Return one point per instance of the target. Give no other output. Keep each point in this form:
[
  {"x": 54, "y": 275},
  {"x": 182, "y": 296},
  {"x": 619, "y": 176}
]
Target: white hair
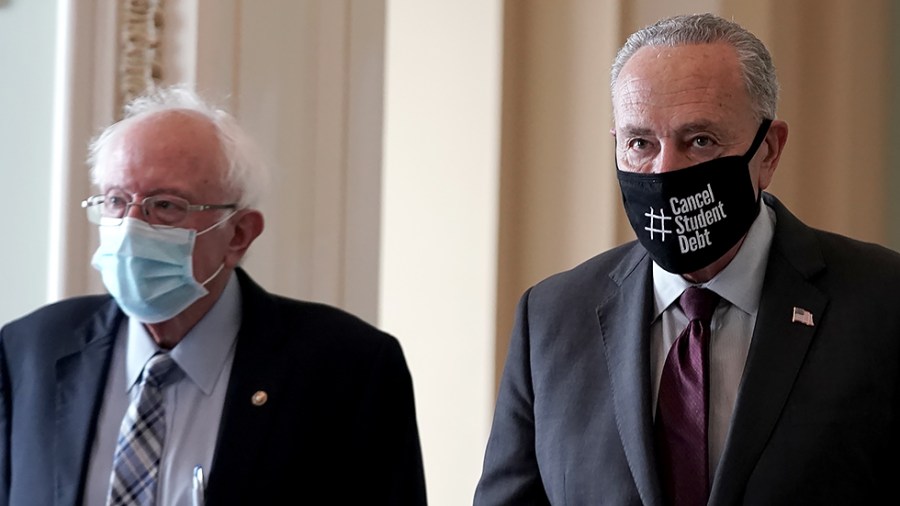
[
  {"x": 757, "y": 68},
  {"x": 245, "y": 172}
]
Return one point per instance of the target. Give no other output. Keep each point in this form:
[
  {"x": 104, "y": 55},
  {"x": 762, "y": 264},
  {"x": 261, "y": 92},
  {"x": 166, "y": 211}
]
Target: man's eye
[
  {"x": 638, "y": 144},
  {"x": 702, "y": 141},
  {"x": 169, "y": 205},
  {"x": 114, "y": 201}
]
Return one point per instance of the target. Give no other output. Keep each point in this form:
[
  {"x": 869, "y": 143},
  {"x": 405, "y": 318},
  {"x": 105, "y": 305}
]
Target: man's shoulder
[
  {"x": 322, "y": 316},
  {"x": 309, "y": 321},
  {"x": 838, "y": 252},
  {"x": 53, "y": 326},
  {"x": 597, "y": 269},
  {"x": 859, "y": 258},
  {"x": 595, "y": 274},
  {"x": 70, "y": 312}
]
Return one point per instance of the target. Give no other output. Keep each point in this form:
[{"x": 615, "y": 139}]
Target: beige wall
[
  {"x": 26, "y": 98},
  {"x": 439, "y": 223},
  {"x": 893, "y": 107},
  {"x": 558, "y": 194},
  {"x": 834, "y": 64}
]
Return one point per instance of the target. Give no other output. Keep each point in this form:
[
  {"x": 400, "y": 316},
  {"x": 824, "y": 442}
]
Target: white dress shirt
[
  {"x": 193, "y": 399},
  {"x": 739, "y": 285}
]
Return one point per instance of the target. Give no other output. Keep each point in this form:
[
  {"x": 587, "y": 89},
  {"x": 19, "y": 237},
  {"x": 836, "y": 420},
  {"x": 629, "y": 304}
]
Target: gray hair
[
  {"x": 245, "y": 171},
  {"x": 756, "y": 63}
]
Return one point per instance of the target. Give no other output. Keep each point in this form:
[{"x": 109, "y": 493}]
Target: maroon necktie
[{"x": 682, "y": 408}]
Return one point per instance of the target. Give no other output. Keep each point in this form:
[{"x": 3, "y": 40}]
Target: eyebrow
[
  {"x": 158, "y": 191},
  {"x": 689, "y": 128},
  {"x": 635, "y": 131}
]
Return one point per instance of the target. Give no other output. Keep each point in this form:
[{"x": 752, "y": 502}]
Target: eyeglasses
[{"x": 158, "y": 210}]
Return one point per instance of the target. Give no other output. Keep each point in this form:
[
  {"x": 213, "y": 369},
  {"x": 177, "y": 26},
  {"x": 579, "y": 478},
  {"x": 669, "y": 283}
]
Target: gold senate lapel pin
[{"x": 259, "y": 398}]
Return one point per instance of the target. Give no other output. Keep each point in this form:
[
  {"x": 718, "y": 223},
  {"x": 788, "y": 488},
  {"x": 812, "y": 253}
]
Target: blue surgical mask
[{"x": 149, "y": 271}]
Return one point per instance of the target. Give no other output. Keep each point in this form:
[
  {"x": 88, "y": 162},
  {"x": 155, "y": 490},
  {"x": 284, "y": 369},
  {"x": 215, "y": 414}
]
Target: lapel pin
[
  {"x": 802, "y": 316},
  {"x": 259, "y": 398}
]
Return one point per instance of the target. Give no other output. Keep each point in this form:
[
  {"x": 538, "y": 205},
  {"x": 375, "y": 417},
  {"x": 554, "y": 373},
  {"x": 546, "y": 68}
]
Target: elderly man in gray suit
[{"x": 732, "y": 354}]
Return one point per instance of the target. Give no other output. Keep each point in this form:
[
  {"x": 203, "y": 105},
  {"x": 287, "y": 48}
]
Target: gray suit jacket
[{"x": 817, "y": 419}]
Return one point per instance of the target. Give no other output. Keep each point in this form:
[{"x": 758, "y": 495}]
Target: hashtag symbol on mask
[{"x": 658, "y": 224}]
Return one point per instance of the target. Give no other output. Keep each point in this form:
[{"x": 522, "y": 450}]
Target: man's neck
[
  {"x": 708, "y": 272},
  {"x": 169, "y": 333}
]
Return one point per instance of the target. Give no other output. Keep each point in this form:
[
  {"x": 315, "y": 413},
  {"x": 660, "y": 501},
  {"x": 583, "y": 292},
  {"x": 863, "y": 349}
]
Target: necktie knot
[
  {"x": 157, "y": 369},
  {"x": 698, "y": 303}
]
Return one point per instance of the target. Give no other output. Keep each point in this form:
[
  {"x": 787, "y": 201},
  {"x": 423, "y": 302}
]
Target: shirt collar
[
  {"x": 740, "y": 282},
  {"x": 202, "y": 352}
]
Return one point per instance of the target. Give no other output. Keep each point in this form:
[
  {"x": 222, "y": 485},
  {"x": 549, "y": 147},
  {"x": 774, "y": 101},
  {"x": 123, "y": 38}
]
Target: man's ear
[
  {"x": 774, "y": 142},
  {"x": 247, "y": 227}
]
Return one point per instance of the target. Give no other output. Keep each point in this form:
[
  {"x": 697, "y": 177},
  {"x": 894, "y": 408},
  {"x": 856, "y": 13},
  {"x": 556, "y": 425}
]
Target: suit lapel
[
  {"x": 81, "y": 378},
  {"x": 624, "y": 319},
  {"x": 246, "y": 417},
  {"x": 776, "y": 351}
]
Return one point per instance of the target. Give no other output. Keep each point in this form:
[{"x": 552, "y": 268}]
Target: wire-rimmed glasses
[{"x": 158, "y": 210}]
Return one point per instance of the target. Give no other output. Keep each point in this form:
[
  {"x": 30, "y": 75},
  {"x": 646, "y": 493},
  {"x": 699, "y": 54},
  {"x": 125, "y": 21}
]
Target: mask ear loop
[
  {"x": 211, "y": 227},
  {"x": 218, "y": 223},
  {"x": 757, "y": 142},
  {"x": 221, "y": 266}
]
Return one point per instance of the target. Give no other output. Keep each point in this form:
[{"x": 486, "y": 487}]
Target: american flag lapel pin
[{"x": 802, "y": 316}]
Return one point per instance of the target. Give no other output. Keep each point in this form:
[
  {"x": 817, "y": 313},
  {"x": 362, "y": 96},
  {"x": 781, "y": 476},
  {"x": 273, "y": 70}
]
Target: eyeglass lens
[{"x": 158, "y": 209}]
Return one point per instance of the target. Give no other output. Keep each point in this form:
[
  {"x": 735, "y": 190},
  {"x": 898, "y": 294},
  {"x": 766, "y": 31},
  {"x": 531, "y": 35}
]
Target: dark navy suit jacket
[
  {"x": 339, "y": 426},
  {"x": 817, "y": 417}
]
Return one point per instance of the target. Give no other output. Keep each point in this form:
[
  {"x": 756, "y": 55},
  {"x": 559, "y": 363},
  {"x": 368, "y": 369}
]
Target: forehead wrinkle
[
  {"x": 647, "y": 96},
  {"x": 688, "y": 128},
  {"x": 167, "y": 191}
]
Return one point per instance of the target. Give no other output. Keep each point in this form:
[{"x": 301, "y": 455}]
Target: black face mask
[{"x": 688, "y": 218}]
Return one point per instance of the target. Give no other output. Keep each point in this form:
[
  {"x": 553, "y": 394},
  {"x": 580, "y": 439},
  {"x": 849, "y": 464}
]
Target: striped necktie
[{"x": 141, "y": 436}]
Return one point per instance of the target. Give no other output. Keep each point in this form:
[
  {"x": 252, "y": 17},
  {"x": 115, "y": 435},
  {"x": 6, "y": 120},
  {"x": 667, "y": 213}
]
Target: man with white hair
[
  {"x": 189, "y": 383},
  {"x": 730, "y": 355}
]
